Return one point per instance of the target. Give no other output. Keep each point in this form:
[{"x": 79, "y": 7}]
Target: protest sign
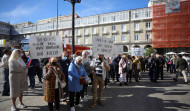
[
  {"x": 102, "y": 45},
  {"x": 117, "y": 49},
  {"x": 45, "y": 46},
  {"x": 137, "y": 51}
]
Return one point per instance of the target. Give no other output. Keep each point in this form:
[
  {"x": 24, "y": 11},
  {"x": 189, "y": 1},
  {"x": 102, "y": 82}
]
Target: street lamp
[{"x": 73, "y": 2}]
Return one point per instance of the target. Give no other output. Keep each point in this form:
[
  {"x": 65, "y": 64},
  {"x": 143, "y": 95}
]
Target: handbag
[
  {"x": 124, "y": 70},
  {"x": 62, "y": 84},
  {"x": 82, "y": 81}
]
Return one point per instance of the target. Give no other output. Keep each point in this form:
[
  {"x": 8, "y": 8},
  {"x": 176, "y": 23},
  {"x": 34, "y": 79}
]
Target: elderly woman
[
  {"x": 86, "y": 64},
  {"x": 123, "y": 65},
  {"x": 75, "y": 75},
  {"x": 52, "y": 86},
  {"x": 17, "y": 70}
]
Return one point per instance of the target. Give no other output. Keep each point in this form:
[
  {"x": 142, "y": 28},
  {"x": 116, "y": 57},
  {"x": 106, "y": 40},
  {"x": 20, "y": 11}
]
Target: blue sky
[{"x": 17, "y": 11}]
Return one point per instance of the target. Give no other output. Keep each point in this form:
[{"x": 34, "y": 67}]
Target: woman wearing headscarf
[{"x": 17, "y": 78}]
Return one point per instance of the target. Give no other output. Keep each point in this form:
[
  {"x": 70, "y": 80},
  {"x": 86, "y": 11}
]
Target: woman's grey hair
[
  {"x": 84, "y": 52},
  {"x": 78, "y": 58}
]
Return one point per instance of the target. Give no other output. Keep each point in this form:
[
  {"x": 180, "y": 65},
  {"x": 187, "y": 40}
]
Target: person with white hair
[
  {"x": 86, "y": 64},
  {"x": 17, "y": 68},
  {"x": 76, "y": 80}
]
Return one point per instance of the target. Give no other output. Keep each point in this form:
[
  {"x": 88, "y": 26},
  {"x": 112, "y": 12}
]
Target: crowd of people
[{"x": 69, "y": 76}]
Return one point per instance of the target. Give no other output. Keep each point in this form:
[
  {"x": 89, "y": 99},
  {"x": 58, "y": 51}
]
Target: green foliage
[{"x": 149, "y": 50}]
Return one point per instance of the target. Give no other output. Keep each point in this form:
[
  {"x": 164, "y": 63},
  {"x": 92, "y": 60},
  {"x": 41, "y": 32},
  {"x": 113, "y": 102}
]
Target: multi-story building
[
  {"x": 128, "y": 28},
  {"x": 5, "y": 30}
]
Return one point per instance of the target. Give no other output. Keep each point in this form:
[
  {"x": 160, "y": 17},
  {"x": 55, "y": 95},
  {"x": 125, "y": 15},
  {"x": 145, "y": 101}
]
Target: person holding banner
[
  {"x": 100, "y": 67},
  {"x": 76, "y": 79},
  {"x": 136, "y": 68},
  {"x": 53, "y": 80},
  {"x": 123, "y": 69}
]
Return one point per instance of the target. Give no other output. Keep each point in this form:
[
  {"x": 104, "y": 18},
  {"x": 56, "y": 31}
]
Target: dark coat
[
  {"x": 181, "y": 64},
  {"x": 32, "y": 70}
]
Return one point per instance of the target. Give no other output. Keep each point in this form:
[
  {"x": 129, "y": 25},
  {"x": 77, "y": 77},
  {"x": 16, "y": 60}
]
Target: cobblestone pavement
[{"x": 166, "y": 95}]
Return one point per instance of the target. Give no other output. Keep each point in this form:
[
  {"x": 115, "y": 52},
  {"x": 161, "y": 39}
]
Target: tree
[{"x": 149, "y": 50}]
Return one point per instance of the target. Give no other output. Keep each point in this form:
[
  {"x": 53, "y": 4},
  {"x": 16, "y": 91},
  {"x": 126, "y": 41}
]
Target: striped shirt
[{"x": 98, "y": 67}]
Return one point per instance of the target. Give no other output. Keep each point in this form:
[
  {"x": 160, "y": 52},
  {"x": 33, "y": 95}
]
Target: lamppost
[{"x": 73, "y": 2}]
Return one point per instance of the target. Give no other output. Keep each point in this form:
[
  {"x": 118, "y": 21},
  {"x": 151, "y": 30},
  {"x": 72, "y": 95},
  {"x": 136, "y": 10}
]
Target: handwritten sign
[
  {"x": 45, "y": 46},
  {"x": 117, "y": 49},
  {"x": 137, "y": 51},
  {"x": 102, "y": 45}
]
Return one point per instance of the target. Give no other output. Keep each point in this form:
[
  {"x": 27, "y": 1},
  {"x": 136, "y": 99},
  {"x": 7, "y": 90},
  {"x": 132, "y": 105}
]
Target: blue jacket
[{"x": 74, "y": 77}]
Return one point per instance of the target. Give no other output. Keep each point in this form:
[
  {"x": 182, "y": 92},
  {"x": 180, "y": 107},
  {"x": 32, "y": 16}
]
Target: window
[
  {"x": 123, "y": 38},
  {"x": 123, "y": 27},
  {"x": 136, "y": 26},
  {"x": 86, "y": 40},
  {"x": 64, "y": 33},
  {"x": 57, "y": 33},
  {"x": 86, "y": 31},
  {"x": 114, "y": 38},
  {"x": 78, "y": 41},
  {"x": 104, "y": 29},
  {"x": 113, "y": 28},
  {"x": 78, "y": 32},
  {"x": 148, "y": 37},
  {"x": 94, "y": 30},
  {"x": 136, "y": 38},
  {"x": 70, "y": 32},
  {"x": 147, "y": 25}
]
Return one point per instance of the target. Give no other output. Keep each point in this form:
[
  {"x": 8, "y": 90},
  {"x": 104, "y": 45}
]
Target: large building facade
[{"x": 130, "y": 28}]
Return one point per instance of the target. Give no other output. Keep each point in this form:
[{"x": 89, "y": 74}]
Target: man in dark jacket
[
  {"x": 116, "y": 66},
  {"x": 160, "y": 63},
  {"x": 64, "y": 62},
  {"x": 181, "y": 65}
]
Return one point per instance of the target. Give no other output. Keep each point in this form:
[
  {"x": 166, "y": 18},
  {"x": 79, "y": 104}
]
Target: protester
[
  {"x": 65, "y": 62},
  {"x": 86, "y": 64},
  {"x": 172, "y": 67},
  {"x": 33, "y": 65},
  {"x": 130, "y": 68},
  {"x": 168, "y": 63},
  {"x": 5, "y": 66},
  {"x": 116, "y": 66},
  {"x": 53, "y": 91},
  {"x": 137, "y": 68},
  {"x": 187, "y": 58},
  {"x": 17, "y": 68},
  {"x": 100, "y": 66},
  {"x": 76, "y": 78},
  {"x": 109, "y": 73},
  {"x": 181, "y": 65},
  {"x": 153, "y": 69},
  {"x": 123, "y": 69},
  {"x": 160, "y": 65}
]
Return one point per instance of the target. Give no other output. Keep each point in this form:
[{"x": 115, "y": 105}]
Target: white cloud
[
  {"x": 20, "y": 11},
  {"x": 89, "y": 7}
]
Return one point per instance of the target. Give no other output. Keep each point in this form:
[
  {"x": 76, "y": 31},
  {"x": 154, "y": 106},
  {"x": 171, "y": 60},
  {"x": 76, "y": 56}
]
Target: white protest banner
[
  {"x": 45, "y": 46},
  {"x": 117, "y": 49},
  {"x": 102, "y": 45},
  {"x": 120, "y": 49},
  {"x": 137, "y": 51}
]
